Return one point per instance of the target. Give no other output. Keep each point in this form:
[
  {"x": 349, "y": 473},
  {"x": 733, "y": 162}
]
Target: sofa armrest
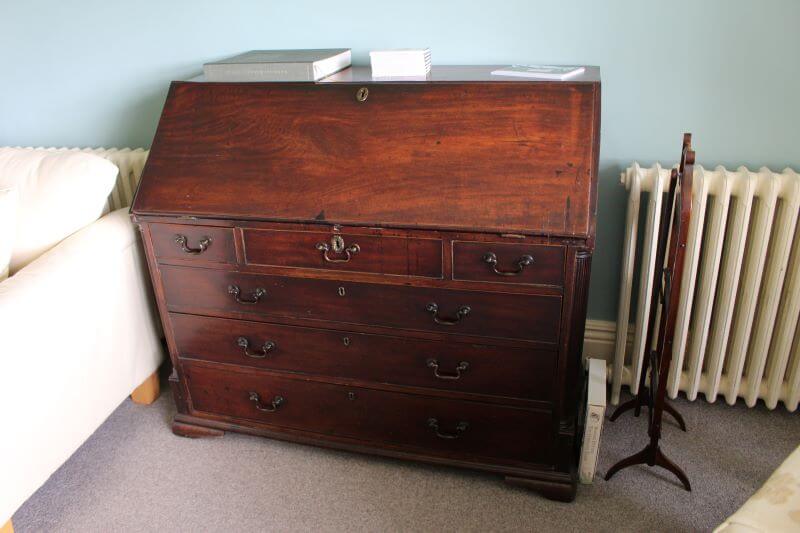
[{"x": 79, "y": 333}]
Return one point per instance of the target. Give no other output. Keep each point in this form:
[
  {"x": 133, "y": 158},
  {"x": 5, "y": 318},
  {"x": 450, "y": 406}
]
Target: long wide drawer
[
  {"x": 506, "y": 315},
  {"x": 524, "y": 373},
  {"x": 439, "y": 425}
]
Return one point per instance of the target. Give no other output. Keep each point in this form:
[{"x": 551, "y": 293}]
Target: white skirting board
[
  {"x": 599, "y": 342},
  {"x": 599, "y": 339}
]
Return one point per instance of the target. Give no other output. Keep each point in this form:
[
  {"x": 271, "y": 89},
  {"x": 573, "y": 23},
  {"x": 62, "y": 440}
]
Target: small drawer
[
  {"x": 436, "y": 425},
  {"x": 201, "y": 243},
  {"x": 486, "y": 314},
  {"x": 500, "y": 371},
  {"x": 534, "y": 264},
  {"x": 399, "y": 255}
]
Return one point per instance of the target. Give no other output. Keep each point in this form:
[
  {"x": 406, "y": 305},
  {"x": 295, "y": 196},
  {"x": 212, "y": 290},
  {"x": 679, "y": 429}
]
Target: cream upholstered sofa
[
  {"x": 774, "y": 507},
  {"x": 78, "y": 330}
]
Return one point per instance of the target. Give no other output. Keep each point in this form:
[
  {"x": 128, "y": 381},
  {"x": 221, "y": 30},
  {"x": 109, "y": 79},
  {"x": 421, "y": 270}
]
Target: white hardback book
[
  {"x": 595, "y": 413},
  {"x": 402, "y": 62},
  {"x": 544, "y": 72},
  {"x": 279, "y": 65}
]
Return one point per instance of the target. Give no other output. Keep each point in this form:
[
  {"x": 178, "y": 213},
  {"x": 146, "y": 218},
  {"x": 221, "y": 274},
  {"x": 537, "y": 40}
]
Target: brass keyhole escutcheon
[
  {"x": 341, "y": 291},
  {"x": 346, "y": 341},
  {"x": 361, "y": 94},
  {"x": 337, "y": 243},
  {"x": 351, "y": 395}
]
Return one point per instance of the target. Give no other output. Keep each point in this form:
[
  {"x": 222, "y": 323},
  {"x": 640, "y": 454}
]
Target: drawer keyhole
[
  {"x": 346, "y": 341},
  {"x": 341, "y": 291},
  {"x": 351, "y": 396}
]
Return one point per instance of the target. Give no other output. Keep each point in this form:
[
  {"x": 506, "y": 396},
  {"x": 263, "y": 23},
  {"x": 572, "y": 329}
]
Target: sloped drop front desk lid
[{"x": 462, "y": 150}]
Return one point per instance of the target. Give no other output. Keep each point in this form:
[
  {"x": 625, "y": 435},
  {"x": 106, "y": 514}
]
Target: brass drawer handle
[
  {"x": 337, "y": 245},
  {"x": 462, "y": 312},
  {"x": 461, "y": 427},
  {"x": 257, "y": 294},
  {"x": 202, "y": 244},
  {"x": 434, "y": 364},
  {"x": 276, "y": 402},
  {"x": 265, "y": 349},
  {"x": 491, "y": 259}
]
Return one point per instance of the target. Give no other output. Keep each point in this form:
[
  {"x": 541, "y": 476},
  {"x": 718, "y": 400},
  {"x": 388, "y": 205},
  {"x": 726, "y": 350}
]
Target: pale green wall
[{"x": 95, "y": 73}]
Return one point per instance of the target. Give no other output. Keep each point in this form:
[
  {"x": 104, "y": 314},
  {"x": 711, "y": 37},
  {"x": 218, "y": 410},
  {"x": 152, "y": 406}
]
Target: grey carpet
[{"x": 134, "y": 475}]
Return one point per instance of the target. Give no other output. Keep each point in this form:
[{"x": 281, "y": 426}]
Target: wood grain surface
[{"x": 490, "y": 156}]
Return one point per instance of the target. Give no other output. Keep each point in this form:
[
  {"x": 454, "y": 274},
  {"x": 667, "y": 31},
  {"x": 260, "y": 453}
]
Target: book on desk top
[
  {"x": 400, "y": 62},
  {"x": 543, "y": 72},
  {"x": 279, "y": 65}
]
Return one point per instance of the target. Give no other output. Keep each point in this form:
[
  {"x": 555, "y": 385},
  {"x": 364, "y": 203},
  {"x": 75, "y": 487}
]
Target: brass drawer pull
[
  {"x": 202, "y": 244},
  {"x": 461, "y": 427},
  {"x": 462, "y": 312},
  {"x": 337, "y": 245},
  {"x": 257, "y": 294},
  {"x": 491, "y": 259},
  {"x": 276, "y": 402},
  {"x": 434, "y": 364},
  {"x": 265, "y": 349}
]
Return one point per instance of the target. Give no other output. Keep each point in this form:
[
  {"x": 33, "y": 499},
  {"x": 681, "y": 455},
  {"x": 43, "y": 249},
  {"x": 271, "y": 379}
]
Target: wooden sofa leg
[
  {"x": 146, "y": 393},
  {"x": 7, "y": 527}
]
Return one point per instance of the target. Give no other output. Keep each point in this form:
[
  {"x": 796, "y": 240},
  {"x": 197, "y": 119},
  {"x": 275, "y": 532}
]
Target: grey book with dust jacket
[{"x": 279, "y": 65}]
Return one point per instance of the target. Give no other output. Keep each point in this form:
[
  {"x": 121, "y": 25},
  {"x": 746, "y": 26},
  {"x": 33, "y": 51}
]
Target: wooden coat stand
[{"x": 667, "y": 287}]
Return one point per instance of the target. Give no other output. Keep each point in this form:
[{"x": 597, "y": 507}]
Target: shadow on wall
[
  {"x": 142, "y": 116},
  {"x": 143, "y": 110},
  {"x": 606, "y": 262}
]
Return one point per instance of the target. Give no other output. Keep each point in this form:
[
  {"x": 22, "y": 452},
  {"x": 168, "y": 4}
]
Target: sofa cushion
[
  {"x": 59, "y": 192},
  {"x": 8, "y": 225}
]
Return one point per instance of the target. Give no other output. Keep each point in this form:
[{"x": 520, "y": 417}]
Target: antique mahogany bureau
[{"x": 391, "y": 267}]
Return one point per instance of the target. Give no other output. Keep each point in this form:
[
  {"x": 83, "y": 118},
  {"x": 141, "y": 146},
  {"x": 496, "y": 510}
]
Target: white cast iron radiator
[
  {"x": 130, "y": 163},
  {"x": 737, "y": 331}
]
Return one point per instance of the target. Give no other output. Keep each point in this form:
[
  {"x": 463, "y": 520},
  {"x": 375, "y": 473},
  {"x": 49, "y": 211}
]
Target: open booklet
[{"x": 545, "y": 72}]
